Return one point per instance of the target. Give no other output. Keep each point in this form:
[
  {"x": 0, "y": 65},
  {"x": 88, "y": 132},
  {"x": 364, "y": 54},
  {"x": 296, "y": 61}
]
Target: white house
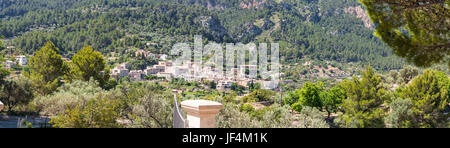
[
  {"x": 22, "y": 60},
  {"x": 163, "y": 57},
  {"x": 224, "y": 84}
]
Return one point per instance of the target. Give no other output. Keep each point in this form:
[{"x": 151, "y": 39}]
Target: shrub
[
  {"x": 311, "y": 118},
  {"x": 153, "y": 111},
  {"x": 292, "y": 97},
  {"x": 260, "y": 113},
  {"x": 246, "y": 108},
  {"x": 400, "y": 115},
  {"x": 297, "y": 106},
  {"x": 70, "y": 95},
  {"x": 258, "y": 96},
  {"x": 100, "y": 112},
  {"x": 231, "y": 117},
  {"x": 408, "y": 73},
  {"x": 275, "y": 116}
]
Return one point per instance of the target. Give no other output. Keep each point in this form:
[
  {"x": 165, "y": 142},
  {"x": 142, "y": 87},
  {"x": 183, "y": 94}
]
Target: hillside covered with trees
[
  {"x": 319, "y": 30},
  {"x": 344, "y": 64}
]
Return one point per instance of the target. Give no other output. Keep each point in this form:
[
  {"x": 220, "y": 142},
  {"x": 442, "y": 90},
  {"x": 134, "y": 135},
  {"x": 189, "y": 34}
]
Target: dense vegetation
[
  {"x": 319, "y": 30},
  {"x": 419, "y": 100},
  {"x": 71, "y": 43},
  {"x": 323, "y": 30},
  {"x": 370, "y": 102}
]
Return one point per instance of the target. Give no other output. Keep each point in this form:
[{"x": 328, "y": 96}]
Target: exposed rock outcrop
[
  {"x": 249, "y": 30},
  {"x": 212, "y": 24},
  {"x": 209, "y": 4},
  {"x": 253, "y": 4},
  {"x": 361, "y": 14}
]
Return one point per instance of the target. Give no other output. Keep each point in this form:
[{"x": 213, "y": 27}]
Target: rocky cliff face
[
  {"x": 361, "y": 14},
  {"x": 253, "y": 4},
  {"x": 248, "y": 30},
  {"x": 212, "y": 24},
  {"x": 224, "y": 4},
  {"x": 212, "y": 4}
]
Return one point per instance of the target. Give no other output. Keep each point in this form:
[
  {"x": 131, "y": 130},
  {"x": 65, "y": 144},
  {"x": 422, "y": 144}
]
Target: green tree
[
  {"x": 258, "y": 96},
  {"x": 332, "y": 98},
  {"x": 88, "y": 63},
  {"x": 46, "y": 68},
  {"x": 430, "y": 95},
  {"x": 292, "y": 97},
  {"x": 310, "y": 95},
  {"x": 362, "y": 108},
  {"x": 16, "y": 92},
  {"x": 417, "y": 30},
  {"x": 3, "y": 72}
]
